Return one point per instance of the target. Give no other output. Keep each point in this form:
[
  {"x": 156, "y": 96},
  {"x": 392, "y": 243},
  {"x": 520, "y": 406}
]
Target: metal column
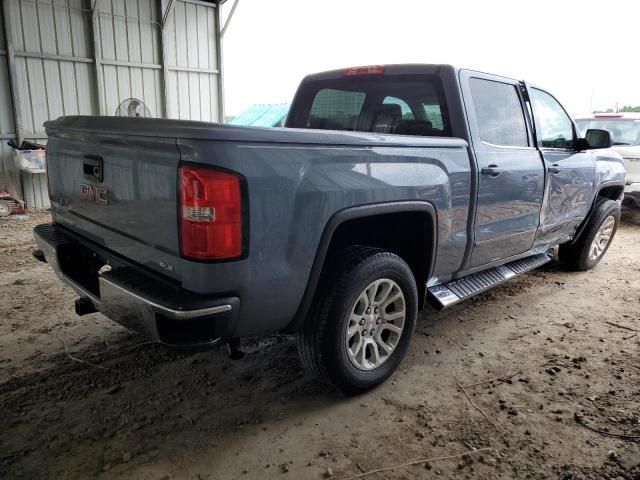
[{"x": 13, "y": 80}]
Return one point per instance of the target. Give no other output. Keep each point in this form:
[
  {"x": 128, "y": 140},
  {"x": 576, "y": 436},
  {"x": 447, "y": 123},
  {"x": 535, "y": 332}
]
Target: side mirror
[{"x": 597, "y": 138}]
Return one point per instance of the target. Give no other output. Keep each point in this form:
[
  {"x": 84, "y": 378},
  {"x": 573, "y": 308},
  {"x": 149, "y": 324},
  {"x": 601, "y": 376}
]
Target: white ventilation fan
[{"x": 132, "y": 107}]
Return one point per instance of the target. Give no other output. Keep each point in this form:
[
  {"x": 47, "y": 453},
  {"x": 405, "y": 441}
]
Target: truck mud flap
[{"x": 450, "y": 293}]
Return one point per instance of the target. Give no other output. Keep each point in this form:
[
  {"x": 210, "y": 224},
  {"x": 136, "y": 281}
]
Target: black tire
[
  {"x": 577, "y": 255},
  {"x": 322, "y": 339}
]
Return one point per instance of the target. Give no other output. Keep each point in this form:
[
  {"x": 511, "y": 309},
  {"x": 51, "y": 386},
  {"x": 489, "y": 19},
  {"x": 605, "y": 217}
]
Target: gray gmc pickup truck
[{"x": 392, "y": 187}]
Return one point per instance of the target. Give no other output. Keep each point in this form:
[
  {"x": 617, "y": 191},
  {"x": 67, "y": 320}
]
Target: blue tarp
[{"x": 262, "y": 115}]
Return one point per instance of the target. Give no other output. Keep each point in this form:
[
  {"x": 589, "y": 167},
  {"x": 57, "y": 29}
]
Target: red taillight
[
  {"x": 369, "y": 70},
  {"x": 210, "y": 214},
  {"x": 608, "y": 115}
]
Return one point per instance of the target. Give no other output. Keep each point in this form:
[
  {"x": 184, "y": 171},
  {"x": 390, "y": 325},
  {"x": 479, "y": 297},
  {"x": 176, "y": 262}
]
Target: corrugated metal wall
[
  {"x": 193, "y": 62},
  {"x": 9, "y": 177},
  {"x": 7, "y": 127},
  {"x": 130, "y": 61},
  {"x": 70, "y": 57}
]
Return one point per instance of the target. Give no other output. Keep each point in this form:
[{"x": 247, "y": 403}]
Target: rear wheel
[
  {"x": 362, "y": 320},
  {"x": 596, "y": 238}
]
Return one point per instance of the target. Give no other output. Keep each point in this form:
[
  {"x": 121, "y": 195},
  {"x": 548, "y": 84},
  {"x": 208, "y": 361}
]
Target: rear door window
[
  {"x": 393, "y": 104},
  {"x": 499, "y": 113}
]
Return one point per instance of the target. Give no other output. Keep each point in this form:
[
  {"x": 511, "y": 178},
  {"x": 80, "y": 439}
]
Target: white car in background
[{"x": 625, "y": 133}]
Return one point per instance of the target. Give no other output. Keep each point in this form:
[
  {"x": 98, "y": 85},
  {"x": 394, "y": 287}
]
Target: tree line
[{"x": 626, "y": 108}]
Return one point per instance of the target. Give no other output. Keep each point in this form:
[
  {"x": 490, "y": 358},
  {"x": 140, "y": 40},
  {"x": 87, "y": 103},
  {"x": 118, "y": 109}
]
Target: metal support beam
[
  {"x": 200, "y": 2},
  {"x": 231, "y": 12},
  {"x": 13, "y": 84},
  {"x": 165, "y": 62},
  {"x": 167, "y": 12},
  {"x": 220, "y": 68},
  {"x": 9, "y": 136},
  {"x": 67, "y": 58},
  {"x": 130, "y": 19},
  {"x": 51, "y": 56},
  {"x": 122, "y": 63},
  {"x": 97, "y": 54},
  {"x": 13, "y": 77},
  {"x": 211, "y": 71}
]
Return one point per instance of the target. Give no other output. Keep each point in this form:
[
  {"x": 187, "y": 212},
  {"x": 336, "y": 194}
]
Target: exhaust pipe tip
[{"x": 235, "y": 348}]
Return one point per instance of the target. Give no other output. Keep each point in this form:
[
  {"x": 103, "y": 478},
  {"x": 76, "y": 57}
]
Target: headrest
[{"x": 388, "y": 109}]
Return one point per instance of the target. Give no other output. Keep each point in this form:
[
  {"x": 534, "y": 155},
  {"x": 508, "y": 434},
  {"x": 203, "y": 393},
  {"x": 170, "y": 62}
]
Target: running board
[{"x": 447, "y": 294}]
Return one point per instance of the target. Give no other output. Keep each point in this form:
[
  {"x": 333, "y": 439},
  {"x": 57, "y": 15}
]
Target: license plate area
[{"x": 81, "y": 264}]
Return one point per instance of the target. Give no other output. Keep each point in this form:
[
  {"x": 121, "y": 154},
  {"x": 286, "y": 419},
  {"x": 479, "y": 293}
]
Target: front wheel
[
  {"x": 362, "y": 320},
  {"x": 596, "y": 238}
]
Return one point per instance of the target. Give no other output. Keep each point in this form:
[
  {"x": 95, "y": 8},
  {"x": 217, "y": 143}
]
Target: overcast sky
[{"x": 584, "y": 51}]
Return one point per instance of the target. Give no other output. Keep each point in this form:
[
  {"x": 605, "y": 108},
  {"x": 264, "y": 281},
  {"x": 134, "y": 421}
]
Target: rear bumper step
[
  {"x": 133, "y": 298},
  {"x": 450, "y": 293}
]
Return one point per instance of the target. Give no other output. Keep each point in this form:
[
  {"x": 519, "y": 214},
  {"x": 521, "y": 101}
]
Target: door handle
[
  {"x": 555, "y": 168},
  {"x": 491, "y": 170}
]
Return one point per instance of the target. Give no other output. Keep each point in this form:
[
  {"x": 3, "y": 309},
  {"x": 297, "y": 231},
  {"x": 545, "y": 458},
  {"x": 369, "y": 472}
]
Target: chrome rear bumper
[{"x": 168, "y": 315}]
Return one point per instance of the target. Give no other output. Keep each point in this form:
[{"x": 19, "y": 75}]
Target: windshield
[
  {"x": 623, "y": 131},
  {"x": 402, "y": 104}
]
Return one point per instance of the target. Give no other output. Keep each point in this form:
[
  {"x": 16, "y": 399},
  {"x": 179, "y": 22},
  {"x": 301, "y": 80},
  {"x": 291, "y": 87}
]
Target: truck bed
[{"x": 296, "y": 181}]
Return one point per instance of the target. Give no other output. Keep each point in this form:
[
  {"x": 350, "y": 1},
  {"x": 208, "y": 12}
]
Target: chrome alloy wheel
[
  {"x": 602, "y": 238},
  {"x": 375, "y": 324}
]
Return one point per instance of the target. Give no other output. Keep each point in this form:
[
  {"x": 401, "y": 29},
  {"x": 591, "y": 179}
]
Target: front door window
[{"x": 555, "y": 129}]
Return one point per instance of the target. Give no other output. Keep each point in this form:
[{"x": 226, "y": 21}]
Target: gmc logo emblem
[{"x": 93, "y": 193}]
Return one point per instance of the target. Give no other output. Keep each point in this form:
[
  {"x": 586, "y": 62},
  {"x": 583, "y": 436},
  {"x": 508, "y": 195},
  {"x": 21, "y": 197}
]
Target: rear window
[{"x": 400, "y": 104}]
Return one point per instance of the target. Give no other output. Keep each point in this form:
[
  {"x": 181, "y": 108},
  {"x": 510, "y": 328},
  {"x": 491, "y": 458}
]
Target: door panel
[
  {"x": 511, "y": 173},
  {"x": 570, "y": 173},
  {"x": 570, "y": 186},
  {"x": 508, "y": 210}
]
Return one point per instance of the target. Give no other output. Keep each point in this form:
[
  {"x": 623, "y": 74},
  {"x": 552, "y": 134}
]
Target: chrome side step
[{"x": 447, "y": 294}]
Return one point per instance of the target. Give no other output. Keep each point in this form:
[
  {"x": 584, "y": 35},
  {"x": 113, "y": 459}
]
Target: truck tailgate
[{"x": 116, "y": 189}]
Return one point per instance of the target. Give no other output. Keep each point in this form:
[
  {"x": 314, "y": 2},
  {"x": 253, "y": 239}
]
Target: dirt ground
[{"x": 117, "y": 407}]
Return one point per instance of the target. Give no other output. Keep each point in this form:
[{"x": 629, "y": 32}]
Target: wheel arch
[
  {"x": 613, "y": 190},
  {"x": 342, "y": 218}
]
